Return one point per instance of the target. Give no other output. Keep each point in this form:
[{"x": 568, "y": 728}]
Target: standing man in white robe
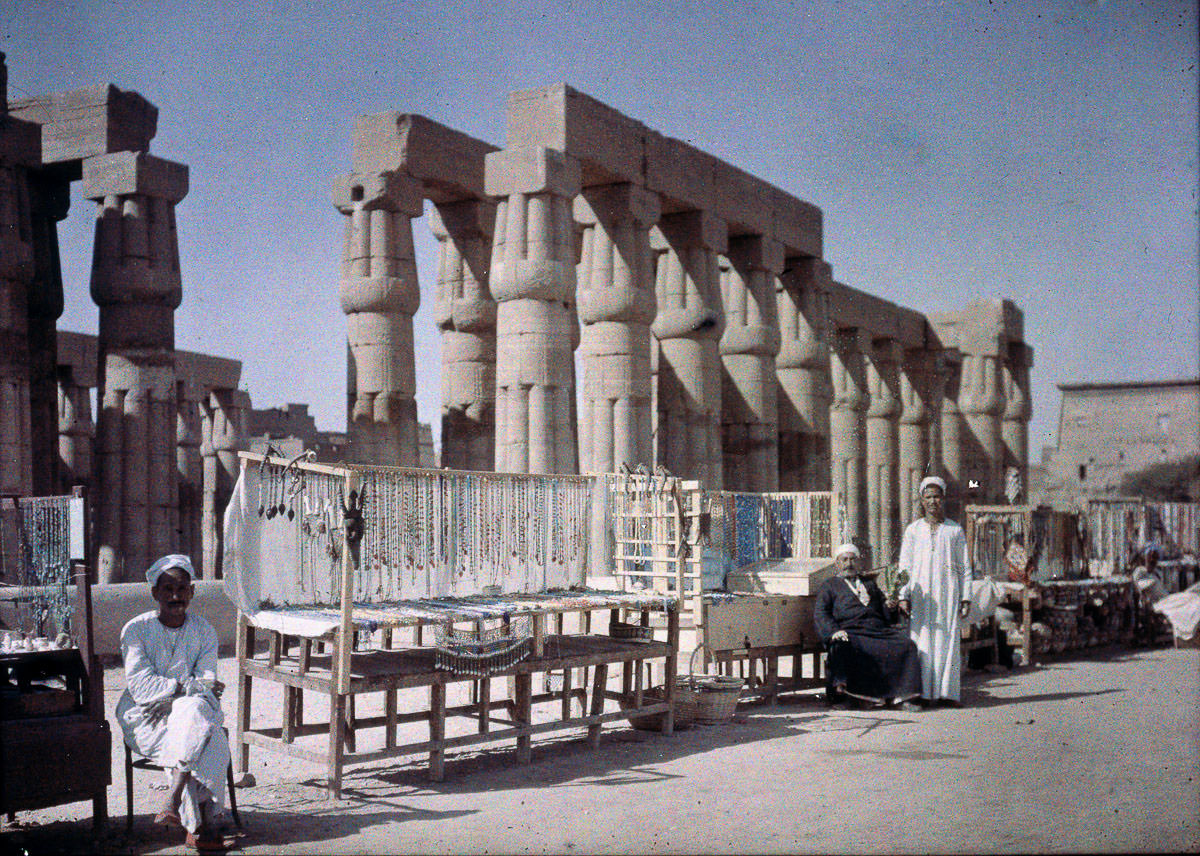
[
  {"x": 171, "y": 711},
  {"x": 937, "y": 595}
]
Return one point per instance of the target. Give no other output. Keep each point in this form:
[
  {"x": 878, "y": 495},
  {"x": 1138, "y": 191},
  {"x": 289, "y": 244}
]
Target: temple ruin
[
  {"x": 693, "y": 299},
  {"x": 711, "y": 336}
]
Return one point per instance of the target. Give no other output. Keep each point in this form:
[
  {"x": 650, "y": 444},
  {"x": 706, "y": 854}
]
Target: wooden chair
[{"x": 147, "y": 764}]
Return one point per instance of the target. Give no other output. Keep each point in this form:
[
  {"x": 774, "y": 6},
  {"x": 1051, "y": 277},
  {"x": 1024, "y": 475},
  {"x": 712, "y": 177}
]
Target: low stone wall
[{"x": 113, "y": 604}]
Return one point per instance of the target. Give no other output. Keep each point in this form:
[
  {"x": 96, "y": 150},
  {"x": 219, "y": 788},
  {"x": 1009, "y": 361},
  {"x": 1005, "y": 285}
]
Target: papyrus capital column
[
  {"x": 688, "y": 327},
  {"x": 847, "y": 440},
  {"x": 533, "y": 282},
  {"x": 379, "y": 295},
  {"x": 802, "y": 367},
  {"x": 466, "y": 316},
  {"x": 75, "y": 430},
  {"x": 617, "y": 305},
  {"x": 883, "y": 385},
  {"x": 951, "y": 432},
  {"x": 222, "y": 419},
  {"x": 749, "y": 345},
  {"x": 917, "y": 408},
  {"x": 189, "y": 466},
  {"x": 1017, "y": 410},
  {"x": 136, "y": 284},
  {"x": 981, "y": 400}
]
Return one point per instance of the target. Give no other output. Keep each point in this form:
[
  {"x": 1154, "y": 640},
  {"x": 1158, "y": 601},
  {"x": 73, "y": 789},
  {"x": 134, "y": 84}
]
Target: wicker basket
[
  {"x": 716, "y": 695},
  {"x": 683, "y": 707}
]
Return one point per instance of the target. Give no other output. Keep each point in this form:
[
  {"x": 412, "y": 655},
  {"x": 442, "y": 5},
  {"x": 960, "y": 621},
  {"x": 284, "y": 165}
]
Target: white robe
[
  {"x": 939, "y": 579},
  {"x": 159, "y": 660}
]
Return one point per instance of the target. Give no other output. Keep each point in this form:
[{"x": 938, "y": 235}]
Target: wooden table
[{"x": 325, "y": 664}]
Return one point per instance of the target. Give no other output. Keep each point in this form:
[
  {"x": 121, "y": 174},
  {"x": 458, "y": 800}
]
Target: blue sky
[{"x": 1040, "y": 151}]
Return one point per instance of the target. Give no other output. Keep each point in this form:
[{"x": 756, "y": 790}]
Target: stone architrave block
[
  {"x": 207, "y": 371},
  {"x": 388, "y": 191},
  {"x": 470, "y": 217},
  {"x": 531, "y": 169},
  {"x": 613, "y": 201},
  {"x": 980, "y": 329},
  {"x": 130, "y": 173},
  {"x": 796, "y": 224},
  {"x": 84, "y": 123},
  {"x": 608, "y": 145},
  {"x": 448, "y": 163},
  {"x": 680, "y": 173},
  {"x": 849, "y": 307},
  {"x": 741, "y": 200}
]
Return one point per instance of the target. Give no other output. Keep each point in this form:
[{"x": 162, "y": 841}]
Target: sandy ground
[{"x": 1096, "y": 754}]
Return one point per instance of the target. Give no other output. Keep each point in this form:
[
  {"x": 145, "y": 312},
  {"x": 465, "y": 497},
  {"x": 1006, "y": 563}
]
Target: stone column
[
  {"x": 688, "y": 327},
  {"x": 466, "y": 315},
  {"x": 749, "y": 346},
  {"x": 617, "y": 305},
  {"x": 950, "y": 435},
  {"x": 189, "y": 467},
  {"x": 883, "y": 512},
  {"x": 49, "y": 201},
  {"x": 981, "y": 401},
  {"x": 1017, "y": 410},
  {"x": 805, "y": 390},
  {"x": 847, "y": 444},
  {"x": 913, "y": 435},
  {"x": 135, "y": 282},
  {"x": 533, "y": 283},
  {"x": 75, "y": 431},
  {"x": 380, "y": 295},
  {"x": 16, "y": 274},
  {"x": 222, "y": 415}
]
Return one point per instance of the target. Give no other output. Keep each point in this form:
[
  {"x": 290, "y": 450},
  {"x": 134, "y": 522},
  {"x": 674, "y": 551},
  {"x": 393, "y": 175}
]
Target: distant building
[
  {"x": 291, "y": 429},
  {"x": 1113, "y": 436}
]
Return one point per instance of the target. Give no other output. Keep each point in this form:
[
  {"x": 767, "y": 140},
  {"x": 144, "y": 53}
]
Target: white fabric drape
[
  {"x": 158, "y": 661},
  {"x": 939, "y": 579}
]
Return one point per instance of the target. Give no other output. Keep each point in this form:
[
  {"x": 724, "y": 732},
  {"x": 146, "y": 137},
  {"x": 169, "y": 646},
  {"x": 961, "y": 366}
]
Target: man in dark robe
[{"x": 869, "y": 657}]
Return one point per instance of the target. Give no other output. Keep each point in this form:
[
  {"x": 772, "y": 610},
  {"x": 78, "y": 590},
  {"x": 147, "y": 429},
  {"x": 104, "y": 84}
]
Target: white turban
[
  {"x": 931, "y": 480},
  {"x": 846, "y": 548},
  {"x": 166, "y": 563}
]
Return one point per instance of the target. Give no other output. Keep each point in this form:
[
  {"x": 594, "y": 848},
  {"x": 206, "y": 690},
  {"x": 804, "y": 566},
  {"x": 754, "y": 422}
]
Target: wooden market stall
[
  {"x": 746, "y": 564},
  {"x": 321, "y": 558}
]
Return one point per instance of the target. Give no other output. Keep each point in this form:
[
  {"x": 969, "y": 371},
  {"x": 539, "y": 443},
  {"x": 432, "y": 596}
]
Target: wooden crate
[{"x": 758, "y": 621}]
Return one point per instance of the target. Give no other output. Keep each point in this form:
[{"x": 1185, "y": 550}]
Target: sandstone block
[
  {"x": 608, "y": 145},
  {"x": 615, "y": 202},
  {"x": 531, "y": 169},
  {"x": 388, "y": 191},
  {"x": 129, "y": 173},
  {"x": 680, "y": 173},
  {"x": 758, "y": 252},
  {"x": 690, "y": 229},
  {"x": 448, "y": 163},
  {"x": 84, "y": 123}
]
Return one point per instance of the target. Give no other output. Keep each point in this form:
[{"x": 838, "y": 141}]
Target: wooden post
[
  {"x": 671, "y": 666},
  {"x": 539, "y": 635},
  {"x": 566, "y": 694},
  {"x": 245, "y": 649},
  {"x": 337, "y": 726},
  {"x": 599, "y": 687},
  {"x": 485, "y": 705},
  {"x": 1027, "y": 624},
  {"x": 437, "y": 731},
  {"x": 524, "y": 715}
]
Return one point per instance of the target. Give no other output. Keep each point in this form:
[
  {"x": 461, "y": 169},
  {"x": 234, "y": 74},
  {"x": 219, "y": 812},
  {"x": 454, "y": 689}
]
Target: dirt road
[{"x": 1095, "y": 754}]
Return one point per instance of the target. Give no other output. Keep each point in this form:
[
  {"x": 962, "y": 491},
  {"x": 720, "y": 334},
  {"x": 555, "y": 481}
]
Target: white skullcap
[
  {"x": 931, "y": 480},
  {"x": 846, "y": 548},
  {"x": 166, "y": 563}
]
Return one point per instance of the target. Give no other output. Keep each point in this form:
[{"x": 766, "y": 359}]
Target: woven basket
[
  {"x": 683, "y": 707},
  {"x": 717, "y": 696}
]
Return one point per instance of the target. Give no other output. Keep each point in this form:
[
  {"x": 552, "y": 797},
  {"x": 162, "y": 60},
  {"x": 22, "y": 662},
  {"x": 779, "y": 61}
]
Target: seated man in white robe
[{"x": 171, "y": 711}]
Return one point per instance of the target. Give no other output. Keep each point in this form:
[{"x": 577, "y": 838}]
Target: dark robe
[{"x": 880, "y": 662}]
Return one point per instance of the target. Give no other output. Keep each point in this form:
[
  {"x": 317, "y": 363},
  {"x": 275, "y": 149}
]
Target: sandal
[{"x": 168, "y": 818}]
